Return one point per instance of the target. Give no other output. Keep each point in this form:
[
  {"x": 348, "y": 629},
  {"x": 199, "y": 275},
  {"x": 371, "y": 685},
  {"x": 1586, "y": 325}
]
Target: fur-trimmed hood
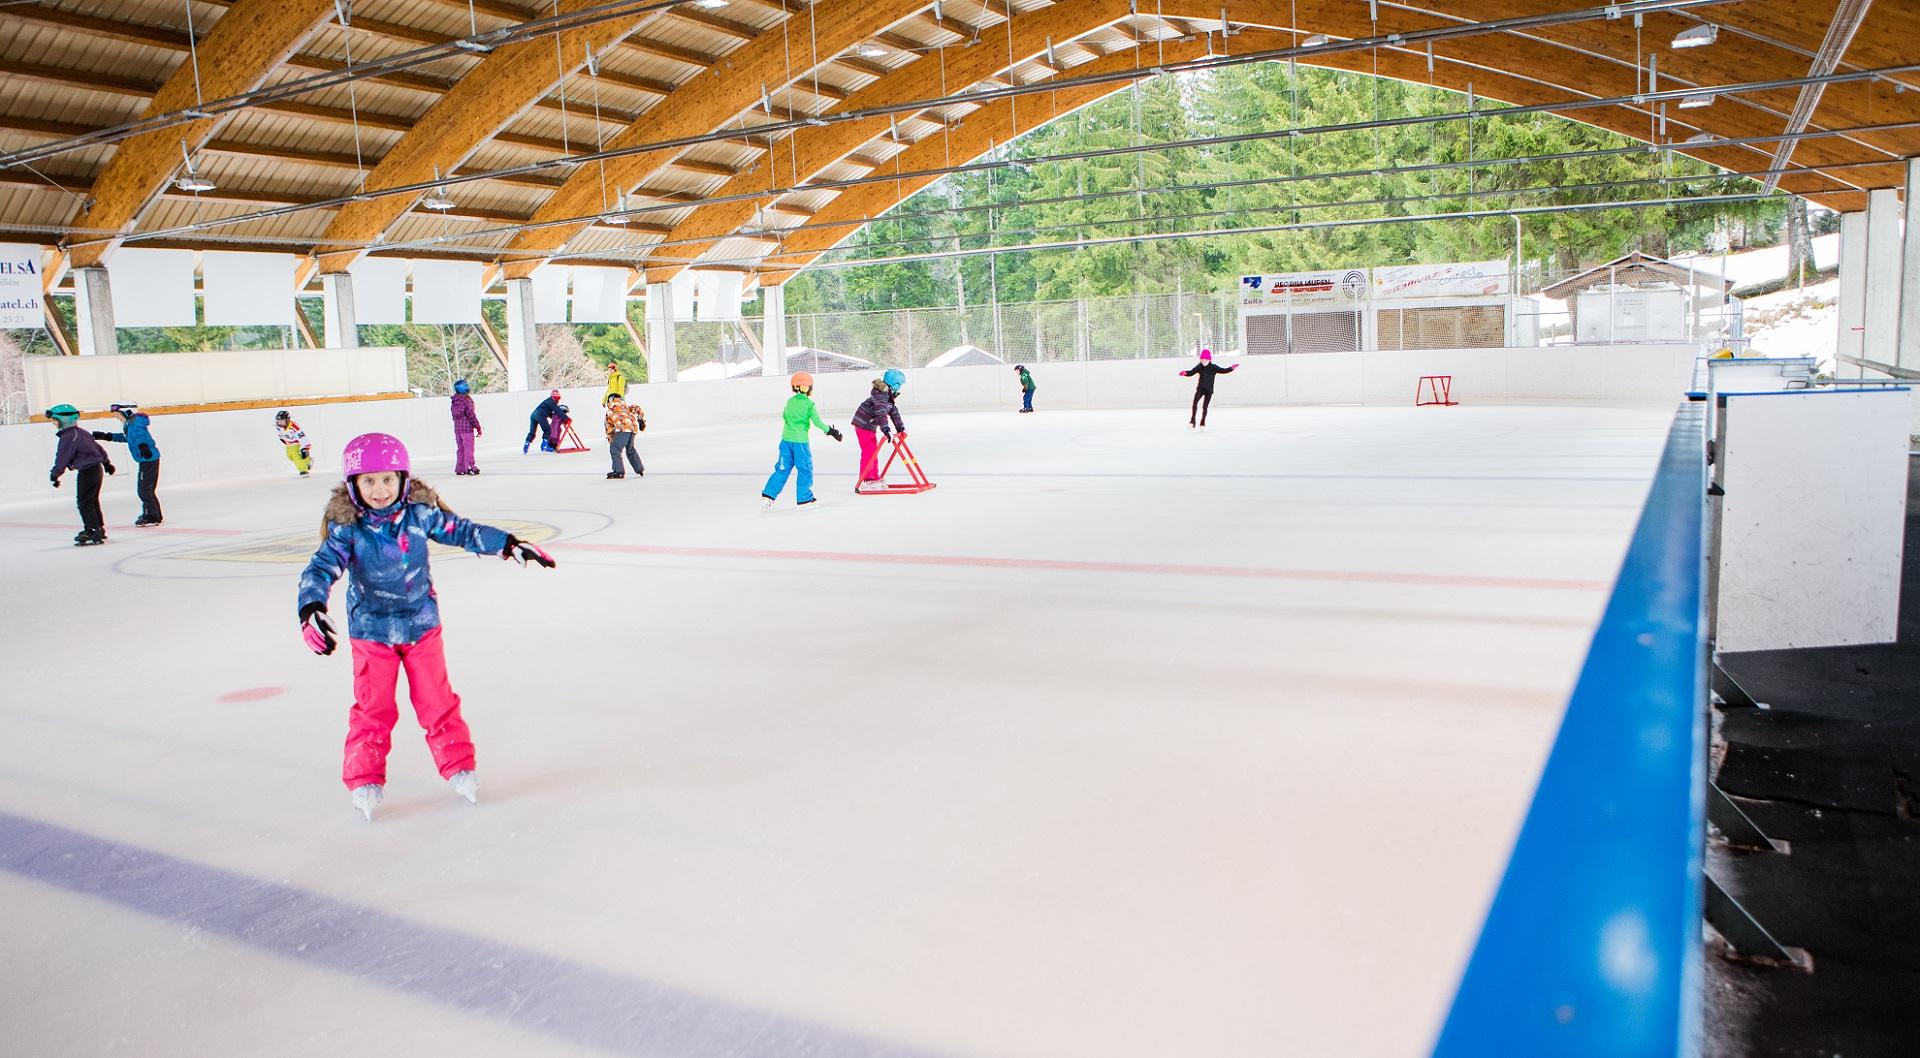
[{"x": 341, "y": 509}]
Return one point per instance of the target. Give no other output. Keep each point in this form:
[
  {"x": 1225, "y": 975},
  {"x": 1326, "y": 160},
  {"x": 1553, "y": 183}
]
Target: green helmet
[{"x": 64, "y": 415}]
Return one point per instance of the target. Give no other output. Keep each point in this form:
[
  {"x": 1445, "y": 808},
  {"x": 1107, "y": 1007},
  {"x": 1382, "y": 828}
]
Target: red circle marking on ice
[{"x": 252, "y": 694}]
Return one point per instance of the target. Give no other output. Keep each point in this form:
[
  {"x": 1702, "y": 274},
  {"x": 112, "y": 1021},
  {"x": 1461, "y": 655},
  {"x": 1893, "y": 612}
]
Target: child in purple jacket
[{"x": 466, "y": 427}]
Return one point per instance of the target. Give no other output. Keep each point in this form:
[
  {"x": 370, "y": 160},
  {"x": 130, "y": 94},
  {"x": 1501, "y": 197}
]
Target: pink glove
[
  {"x": 522, "y": 552},
  {"x": 317, "y": 630}
]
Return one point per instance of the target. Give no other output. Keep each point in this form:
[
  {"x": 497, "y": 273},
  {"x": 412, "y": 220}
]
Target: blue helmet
[
  {"x": 461, "y": 386},
  {"x": 894, "y": 378}
]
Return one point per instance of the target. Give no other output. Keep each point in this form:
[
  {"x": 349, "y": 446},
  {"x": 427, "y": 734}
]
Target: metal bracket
[
  {"x": 1728, "y": 690},
  {"x": 1743, "y": 933},
  {"x": 1736, "y": 826}
]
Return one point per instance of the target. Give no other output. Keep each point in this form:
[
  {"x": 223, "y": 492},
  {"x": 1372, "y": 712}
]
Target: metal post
[
  {"x": 339, "y": 323},
  {"x": 523, "y": 344},
  {"x": 93, "y": 312}
]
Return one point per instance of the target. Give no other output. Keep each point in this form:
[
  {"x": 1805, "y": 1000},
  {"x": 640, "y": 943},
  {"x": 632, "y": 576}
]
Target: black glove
[
  {"x": 146, "y": 451},
  {"x": 643, "y": 426},
  {"x": 55, "y": 478},
  {"x": 316, "y": 629},
  {"x": 109, "y": 466},
  {"x": 522, "y": 552},
  {"x": 102, "y": 435},
  {"x": 886, "y": 435},
  {"x": 834, "y": 432}
]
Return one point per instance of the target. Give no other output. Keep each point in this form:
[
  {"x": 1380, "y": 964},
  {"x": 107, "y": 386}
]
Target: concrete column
[
  {"x": 341, "y": 326},
  {"x": 1883, "y": 276},
  {"x": 1909, "y": 341},
  {"x": 663, "y": 363},
  {"x": 1852, "y": 307},
  {"x": 523, "y": 345},
  {"x": 93, "y": 312},
  {"x": 773, "y": 331}
]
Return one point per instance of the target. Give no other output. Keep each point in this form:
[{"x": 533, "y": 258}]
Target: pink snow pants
[
  {"x": 869, "y": 453},
  {"x": 376, "y": 673},
  {"x": 462, "y": 450}
]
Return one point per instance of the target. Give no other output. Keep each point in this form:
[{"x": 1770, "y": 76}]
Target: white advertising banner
[
  {"x": 246, "y": 289},
  {"x": 685, "y": 283},
  {"x": 550, "y": 293},
  {"x": 20, "y": 279},
  {"x": 152, "y": 288},
  {"x": 599, "y": 294},
  {"x": 379, "y": 290},
  {"x": 719, "y": 295},
  {"x": 446, "y": 291},
  {"x": 1469, "y": 279},
  {"x": 1347, "y": 286}
]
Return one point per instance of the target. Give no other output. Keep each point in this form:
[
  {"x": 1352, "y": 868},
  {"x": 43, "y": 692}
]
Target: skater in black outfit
[
  {"x": 1206, "y": 369},
  {"x": 80, "y": 453}
]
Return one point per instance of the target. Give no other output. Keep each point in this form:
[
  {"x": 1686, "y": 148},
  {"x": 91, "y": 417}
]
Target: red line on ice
[{"x": 1448, "y": 580}]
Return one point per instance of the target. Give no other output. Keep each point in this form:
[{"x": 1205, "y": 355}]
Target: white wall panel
[
  {"x": 248, "y": 289},
  {"x": 152, "y": 288},
  {"x": 379, "y": 290},
  {"x": 446, "y": 291}
]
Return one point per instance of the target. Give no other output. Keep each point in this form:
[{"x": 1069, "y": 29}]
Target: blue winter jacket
[
  {"x": 390, "y": 597},
  {"x": 137, "y": 438}
]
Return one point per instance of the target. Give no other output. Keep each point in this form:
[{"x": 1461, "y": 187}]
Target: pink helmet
[
  {"x": 372, "y": 453},
  {"x": 1206, "y": 354}
]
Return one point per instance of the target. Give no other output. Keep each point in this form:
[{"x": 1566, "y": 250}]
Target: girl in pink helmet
[{"x": 376, "y": 530}]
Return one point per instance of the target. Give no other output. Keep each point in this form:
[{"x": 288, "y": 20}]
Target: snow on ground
[{"x": 1796, "y": 322}]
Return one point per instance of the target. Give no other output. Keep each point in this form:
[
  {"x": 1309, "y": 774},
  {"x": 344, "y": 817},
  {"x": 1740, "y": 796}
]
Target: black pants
[
  {"x": 1202, "y": 400},
  {"x": 86, "y": 495},
  {"x": 541, "y": 426},
  {"x": 148, "y": 485},
  {"x": 623, "y": 442}
]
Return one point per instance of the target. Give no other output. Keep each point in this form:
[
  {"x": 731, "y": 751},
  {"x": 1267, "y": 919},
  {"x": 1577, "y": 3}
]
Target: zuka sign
[{"x": 20, "y": 285}]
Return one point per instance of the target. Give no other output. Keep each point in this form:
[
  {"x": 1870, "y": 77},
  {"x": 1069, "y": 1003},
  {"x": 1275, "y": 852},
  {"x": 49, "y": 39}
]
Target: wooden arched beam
[
  {"x": 480, "y": 104},
  {"x": 707, "y": 103},
  {"x": 249, "y": 42},
  {"x": 814, "y": 149},
  {"x": 995, "y": 124}
]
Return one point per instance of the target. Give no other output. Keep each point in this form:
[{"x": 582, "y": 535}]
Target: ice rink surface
[{"x": 1128, "y": 740}]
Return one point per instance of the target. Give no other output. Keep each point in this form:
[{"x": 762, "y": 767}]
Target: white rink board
[
  {"x": 1811, "y": 528},
  {"x": 91, "y": 383},
  {"x": 1127, "y": 741}
]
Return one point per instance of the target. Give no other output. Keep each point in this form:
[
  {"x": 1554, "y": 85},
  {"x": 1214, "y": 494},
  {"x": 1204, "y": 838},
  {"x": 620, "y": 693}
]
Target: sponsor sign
[
  {"x": 1345, "y": 286},
  {"x": 20, "y": 276},
  {"x": 1466, "y": 279}
]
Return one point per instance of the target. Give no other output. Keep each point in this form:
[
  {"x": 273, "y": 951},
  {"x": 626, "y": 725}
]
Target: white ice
[{"x": 733, "y": 798}]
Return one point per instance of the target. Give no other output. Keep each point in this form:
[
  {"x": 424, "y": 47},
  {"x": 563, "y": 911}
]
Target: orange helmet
[{"x": 801, "y": 380}]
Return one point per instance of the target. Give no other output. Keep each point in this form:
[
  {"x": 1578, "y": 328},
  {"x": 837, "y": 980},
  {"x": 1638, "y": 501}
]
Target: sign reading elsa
[{"x": 20, "y": 285}]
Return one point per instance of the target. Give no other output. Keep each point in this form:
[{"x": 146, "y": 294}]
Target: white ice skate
[
  {"x": 766, "y": 503},
  {"x": 467, "y": 785},
  {"x": 366, "y": 797}
]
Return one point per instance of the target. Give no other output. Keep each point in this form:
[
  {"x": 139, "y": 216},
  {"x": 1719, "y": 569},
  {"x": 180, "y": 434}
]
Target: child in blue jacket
[
  {"x": 146, "y": 458},
  {"x": 376, "y": 531}
]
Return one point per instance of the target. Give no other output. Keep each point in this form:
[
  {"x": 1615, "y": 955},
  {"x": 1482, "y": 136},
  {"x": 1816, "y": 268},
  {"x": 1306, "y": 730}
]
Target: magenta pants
[
  {"x": 462, "y": 451},
  {"x": 869, "y": 453},
  {"x": 376, "y": 674}
]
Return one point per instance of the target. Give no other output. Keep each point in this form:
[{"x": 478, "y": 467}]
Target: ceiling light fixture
[
  {"x": 437, "y": 199},
  {"x": 1696, "y": 101},
  {"x": 1702, "y": 137},
  {"x": 1698, "y": 36},
  {"x": 711, "y": 5},
  {"x": 473, "y": 46},
  {"x": 191, "y": 181},
  {"x": 868, "y": 51},
  {"x": 1315, "y": 41}
]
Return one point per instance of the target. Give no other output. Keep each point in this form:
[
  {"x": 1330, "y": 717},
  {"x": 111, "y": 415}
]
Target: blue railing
[{"x": 1592, "y": 946}]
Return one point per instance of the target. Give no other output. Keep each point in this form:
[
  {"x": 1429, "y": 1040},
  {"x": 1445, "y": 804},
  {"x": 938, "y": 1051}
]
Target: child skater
[
  {"x": 1026, "y": 387},
  {"x": 146, "y": 458},
  {"x": 80, "y": 453},
  {"x": 798, "y": 419},
  {"x": 375, "y": 531},
  {"x": 541, "y": 422},
  {"x": 466, "y": 427},
  {"x": 299, "y": 449},
  {"x": 1205, "y": 370},
  {"x": 873, "y": 414},
  {"x": 623, "y": 421}
]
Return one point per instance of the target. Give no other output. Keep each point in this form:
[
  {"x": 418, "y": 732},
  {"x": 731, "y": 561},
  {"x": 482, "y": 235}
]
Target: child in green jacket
[{"x": 799, "y": 419}]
